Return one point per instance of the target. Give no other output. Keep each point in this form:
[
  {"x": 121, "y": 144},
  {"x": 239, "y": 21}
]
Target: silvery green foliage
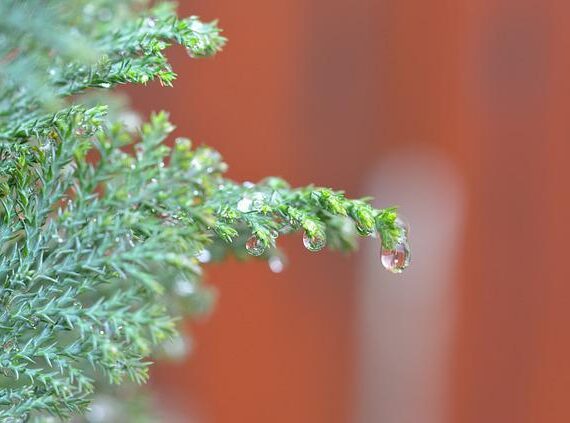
[{"x": 103, "y": 230}]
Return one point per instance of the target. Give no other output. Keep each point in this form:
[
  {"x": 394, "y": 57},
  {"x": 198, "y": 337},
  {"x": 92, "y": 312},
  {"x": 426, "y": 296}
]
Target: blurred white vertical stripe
[{"x": 405, "y": 322}]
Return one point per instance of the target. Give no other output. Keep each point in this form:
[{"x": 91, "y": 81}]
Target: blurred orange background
[{"x": 454, "y": 110}]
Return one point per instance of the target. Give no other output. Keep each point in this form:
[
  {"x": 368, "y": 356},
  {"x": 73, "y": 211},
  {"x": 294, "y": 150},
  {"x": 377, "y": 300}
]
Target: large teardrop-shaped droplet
[
  {"x": 397, "y": 259},
  {"x": 314, "y": 243},
  {"x": 255, "y": 246}
]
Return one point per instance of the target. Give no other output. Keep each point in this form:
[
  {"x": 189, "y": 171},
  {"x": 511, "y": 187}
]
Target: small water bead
[
  {"x": 314, "y": 243},
  {"x": 255, "y": 246},
  {"x": 364, "y": 231},
  {"x": 245, "y": 205},
  {"x": 103, "y": 409},
  {"x": 177, "y": 348},
  {"x": 184, "y": 288},
  {"x": 204, "y": 256},
  {"x": 398, "y": 258},
  {"x": 258, "y": 200},
  {"x": 248, "y": 184},
  {"x": 276, "y": 264},
  {"x": 34, "y": 321}
]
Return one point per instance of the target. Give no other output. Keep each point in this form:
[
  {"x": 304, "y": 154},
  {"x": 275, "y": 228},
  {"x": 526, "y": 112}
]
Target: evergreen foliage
[{"x": 103, "y": 228}]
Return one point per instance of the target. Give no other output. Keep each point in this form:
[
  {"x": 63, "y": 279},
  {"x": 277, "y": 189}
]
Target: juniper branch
[{"x": 102, "y": 229}]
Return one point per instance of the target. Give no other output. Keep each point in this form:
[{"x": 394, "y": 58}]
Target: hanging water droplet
[
  {"x": 255, "y": 246},
  {"x": 244, "y": 205},
  {"x": 204, "y": 256},
  {"x": 275, "y": 264},
  {"x": 398, "y": 258},
  {"x": 273, "y": 234},
  {"x": 314, "y": 243}
]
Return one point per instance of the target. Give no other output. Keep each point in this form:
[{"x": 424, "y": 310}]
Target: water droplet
[
  {"x": 364, "y": 231},
  {"x": 177, "y": 348},
  {"x": 248, "y": 184},
  {"x": 255, "y": 246},
  {"x": 244, "y": 205},
  {"x": 150, "y": 22},
  {"x": 276, "y": 264},
  {"x": 103, "y": 409},
  {"x": 396, "y": 259},
  {"x": 204, "y": 256},
  {"x": 314, "y": 243},
  {"x": 258, "y": 199},
  {"x": 184, "y": 288},
  {"x": 33, "y": 322}
]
